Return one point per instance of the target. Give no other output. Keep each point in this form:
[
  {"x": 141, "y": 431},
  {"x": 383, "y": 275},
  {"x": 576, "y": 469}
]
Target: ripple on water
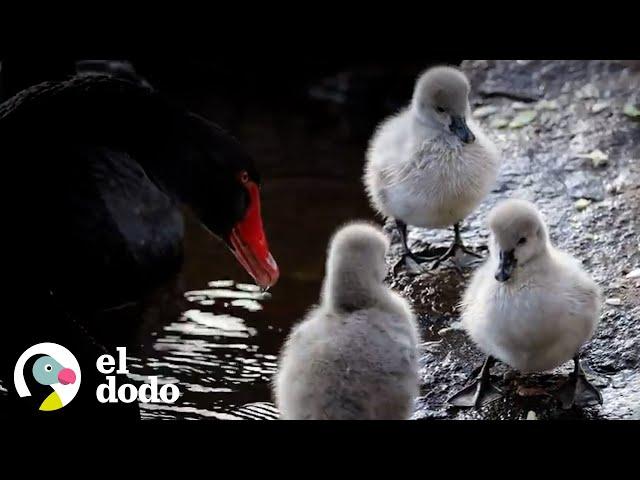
[{"x": 211, "y": 353}]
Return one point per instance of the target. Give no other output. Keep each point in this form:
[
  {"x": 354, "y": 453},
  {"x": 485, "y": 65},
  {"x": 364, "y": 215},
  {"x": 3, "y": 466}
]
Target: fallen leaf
[
  {"x": 582, "y": 203},
  {"x": 520, "y": 106},
  {"x": 631, "y": 110},
  {"x": 523, "y": 118},
  {"x": 598, "y": 157},
  {"x": 485, "y": 111},
  {"x": 547, "y": 105},
  {"x": 599, "y": 106},
  {"x": 633, "y": 273},
  {"x": 499, "y": 123}
]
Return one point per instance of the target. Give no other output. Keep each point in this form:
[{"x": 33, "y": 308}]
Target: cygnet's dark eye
[
  {"x": 440, "y": 109},
  {"x": 522, "y": 241}
]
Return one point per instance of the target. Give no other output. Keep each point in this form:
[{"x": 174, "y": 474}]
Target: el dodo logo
[
  {"x": 127, "y": 393},
  {"x": 50, "y": 371},
  {"x": 51, "y": 374}
]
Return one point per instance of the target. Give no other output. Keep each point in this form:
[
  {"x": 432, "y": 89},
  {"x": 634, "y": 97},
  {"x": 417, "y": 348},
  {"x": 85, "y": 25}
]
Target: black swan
[
  {"x": 111, "y": 161},
  {"x": 103, "y": 165}
]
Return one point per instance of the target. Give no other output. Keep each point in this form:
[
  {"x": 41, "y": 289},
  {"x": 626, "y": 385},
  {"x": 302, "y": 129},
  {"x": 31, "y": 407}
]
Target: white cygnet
[
  {"x": 530, "y": 306},
  {"x": 430, "y": 165},
  {"x": 355, "y": 355}
]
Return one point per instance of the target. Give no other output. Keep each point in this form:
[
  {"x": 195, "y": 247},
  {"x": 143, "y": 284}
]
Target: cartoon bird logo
[{"x": 49, "y": 374}]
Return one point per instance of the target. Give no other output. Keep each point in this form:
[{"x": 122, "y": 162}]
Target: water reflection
[
  {"x": 210, "y": 325},
  {"x": 211, "y": 353}
]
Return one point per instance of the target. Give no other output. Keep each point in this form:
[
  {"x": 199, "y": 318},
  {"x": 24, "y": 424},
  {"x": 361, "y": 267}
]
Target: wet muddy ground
[{"x": 569, "y": 147}]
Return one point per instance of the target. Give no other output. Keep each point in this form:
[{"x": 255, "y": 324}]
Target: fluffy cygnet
[
  {"x": 530, "y": 305},
  {"x": 430, "y": 165},
  {"x": 354, "y": 356}
]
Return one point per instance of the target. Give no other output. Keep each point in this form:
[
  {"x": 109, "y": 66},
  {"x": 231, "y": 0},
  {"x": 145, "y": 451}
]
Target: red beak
[{"x": 249, "y": 243}]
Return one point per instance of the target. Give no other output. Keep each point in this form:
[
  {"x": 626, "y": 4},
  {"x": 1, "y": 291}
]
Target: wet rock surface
[{"x": 592, "y": 207}]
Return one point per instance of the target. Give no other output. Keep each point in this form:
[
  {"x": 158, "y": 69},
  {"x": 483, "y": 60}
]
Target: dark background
[{"x": 359, "y": 88}]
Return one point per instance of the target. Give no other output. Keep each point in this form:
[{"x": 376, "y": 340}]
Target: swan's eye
[
  {"x": 244, "y": 176},
  {"x": 440, "y": 109},
  {"x": 522, "y": 241},
  {"x": 48, "y": 368}
]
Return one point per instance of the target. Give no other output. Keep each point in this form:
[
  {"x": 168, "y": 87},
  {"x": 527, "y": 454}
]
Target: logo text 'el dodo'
[{"x": 128, "y": 393}]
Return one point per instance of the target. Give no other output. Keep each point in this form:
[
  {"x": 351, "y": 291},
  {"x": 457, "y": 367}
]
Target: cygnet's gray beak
[
  {"x": 459, "y": 127},
  {"x": 506, "y": 266}
]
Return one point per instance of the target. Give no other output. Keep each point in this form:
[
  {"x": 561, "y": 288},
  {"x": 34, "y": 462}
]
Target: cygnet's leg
[
  {"x": 577, "y": 390},
  {"x": 480, "y": 392},
  {"x": 402, "y": 229},
  {"x": 456, "y": 245}
]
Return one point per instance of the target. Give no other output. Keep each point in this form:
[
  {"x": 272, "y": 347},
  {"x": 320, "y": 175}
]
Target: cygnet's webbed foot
[
  {"x": 455, "y": 246},
  {"x": 408, "y": 256},
  {"x": 479, "y": 393},
  {"x": 577, "y": 390},
  {"x": 418, "y": 258}
]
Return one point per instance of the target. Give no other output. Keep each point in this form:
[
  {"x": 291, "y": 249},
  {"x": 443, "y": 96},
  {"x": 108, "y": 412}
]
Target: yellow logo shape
[{"x": 52, "y": 402}]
